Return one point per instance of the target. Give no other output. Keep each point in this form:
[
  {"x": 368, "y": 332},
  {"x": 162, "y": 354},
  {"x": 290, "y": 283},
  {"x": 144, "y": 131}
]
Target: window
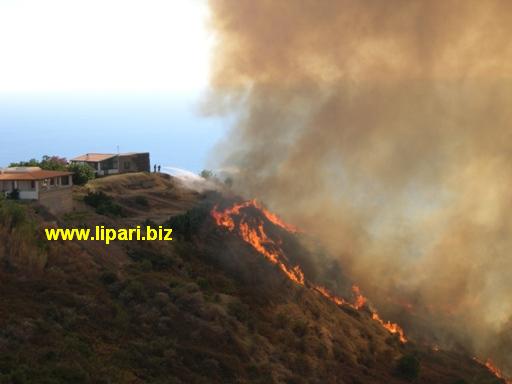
[
  {"x": 33, "y": 184},
  {"x": 126, "y": 165},
  {"x": 64, "y": 180},
  {"x": 52, "y": 181}
]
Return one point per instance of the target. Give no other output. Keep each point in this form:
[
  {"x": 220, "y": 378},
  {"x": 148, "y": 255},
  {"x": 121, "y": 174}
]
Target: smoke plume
[{"x": 383, "y": 128}]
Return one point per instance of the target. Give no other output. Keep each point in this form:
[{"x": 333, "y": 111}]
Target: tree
[
  {"x": 50, "y": 163},
  {"x": 54, "y": 163},
  {"x": 206, "y": 174},
  {"x": 82, "y": 173},
  {"x": 30, "y": 163}
]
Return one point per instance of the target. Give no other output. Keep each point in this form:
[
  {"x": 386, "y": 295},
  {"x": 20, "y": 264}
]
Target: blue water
[{"x": 170, "y": 127}]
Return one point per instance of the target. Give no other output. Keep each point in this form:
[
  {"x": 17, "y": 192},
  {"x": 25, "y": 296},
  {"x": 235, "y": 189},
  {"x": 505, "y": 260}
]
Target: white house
[
  {"x": 51, "y": 188},
  {"x": 105, "y": 164}
]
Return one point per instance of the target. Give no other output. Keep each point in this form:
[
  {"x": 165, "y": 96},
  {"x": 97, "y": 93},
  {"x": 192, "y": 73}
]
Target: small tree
[
  {"x": 82, "y": 173},
  {"x": 206, "y": 174}
]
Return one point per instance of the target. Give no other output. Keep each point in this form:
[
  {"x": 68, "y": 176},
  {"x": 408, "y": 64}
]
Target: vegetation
[
  {"x": 51, "y": 163},
  {"x": 206, "y": 174},
  {"x": 408, "y": 367},
  {"x": 20, "y": 241},
  {"x": 202, "y": 309},
  {"x": 82, "y": 173},
  {"x": 142, "y": 201},
  {"x": 14, "y": 194},
  {"x": 188, "y": 224},
  {"x": 104, "y": 204}
]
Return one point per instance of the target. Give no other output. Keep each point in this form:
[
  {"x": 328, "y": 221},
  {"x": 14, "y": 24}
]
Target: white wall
[{"x": 29, "y": 195}]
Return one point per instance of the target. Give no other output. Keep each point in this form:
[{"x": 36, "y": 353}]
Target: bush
[
  {"x": 82, "y": 173},
  {"x": 206, "y": 174},
  {"x": 408, "y": 367},
  {"x": 14, "y": 194},
  {"x": 142, "y": 201},
  {"x": 108, "y": 277},
  {"x": 239, "y": 310},
  {"x": 104, "y": 204},
  {"x": 133, "y": 291},
  {"x": 150, "y": 258},
  {"x": 188, "y": 224},
  {"x": 12, "y": 214}
]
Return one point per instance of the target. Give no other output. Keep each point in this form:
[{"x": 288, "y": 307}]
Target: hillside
[{"x": 204, "y": 308}]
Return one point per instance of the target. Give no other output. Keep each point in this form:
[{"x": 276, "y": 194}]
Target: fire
[
  {"x": 391, "y": 327},
  {"x": 494, "y": 370},
  {"x": 325, "y": 292},
  {"x": 256, "y": 236},
  {"x": 360, "y": 300}
]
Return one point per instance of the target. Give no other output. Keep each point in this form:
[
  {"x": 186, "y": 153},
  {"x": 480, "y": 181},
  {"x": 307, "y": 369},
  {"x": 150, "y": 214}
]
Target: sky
[{"x": 88, "y": 76}]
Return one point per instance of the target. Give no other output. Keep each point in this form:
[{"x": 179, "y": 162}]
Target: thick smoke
[{"x": 383, "y": 127}]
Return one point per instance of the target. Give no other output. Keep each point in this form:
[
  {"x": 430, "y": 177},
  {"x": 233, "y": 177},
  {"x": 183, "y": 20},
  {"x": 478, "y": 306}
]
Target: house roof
[
  {"x": 94, "y": 157},
  {"x": 32, "y": 173},
  {"x": 97, "y": 157}
]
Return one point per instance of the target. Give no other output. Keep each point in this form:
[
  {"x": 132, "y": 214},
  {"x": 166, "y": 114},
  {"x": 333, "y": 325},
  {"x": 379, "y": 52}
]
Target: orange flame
[
  {"x": 258, "y": 239},
  {"x": 360, "y": 300},
  {"x": 391, "y": 327},
  {"x": 494, "y": 370}
]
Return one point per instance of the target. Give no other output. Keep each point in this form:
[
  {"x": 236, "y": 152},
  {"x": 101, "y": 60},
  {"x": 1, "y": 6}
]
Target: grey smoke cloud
[{"x": 383, "y": 128}]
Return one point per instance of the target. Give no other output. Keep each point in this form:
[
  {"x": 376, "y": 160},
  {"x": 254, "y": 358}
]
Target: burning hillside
[
  {"x": 232, "y": 299},
  {"x": 251, "y": 228},
  {"x": 387, "y": 125},
  {"x": 249, "y": 220}
]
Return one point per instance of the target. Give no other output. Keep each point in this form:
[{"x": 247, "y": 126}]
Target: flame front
[
  {"x": 256, "y": 236},
  {"x": 494, "y": 370}
]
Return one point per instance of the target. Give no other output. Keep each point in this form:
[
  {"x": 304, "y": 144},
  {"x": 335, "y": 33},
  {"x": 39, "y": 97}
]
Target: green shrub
[
  {"x": 82, "y": 173},
  {"x": 108, "y": 277},
  {"x": 14, "y": 194},
  {"x": 142, "y": 201},
  {"x": 133, "y": 291},
  {"x": 239, "y": 310},
  {"x": 12, "y": 215},
  {"x": 104, "y": 204},
  {"x": 150, "y": 258},
  {"x": 188, "y": 224}
]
